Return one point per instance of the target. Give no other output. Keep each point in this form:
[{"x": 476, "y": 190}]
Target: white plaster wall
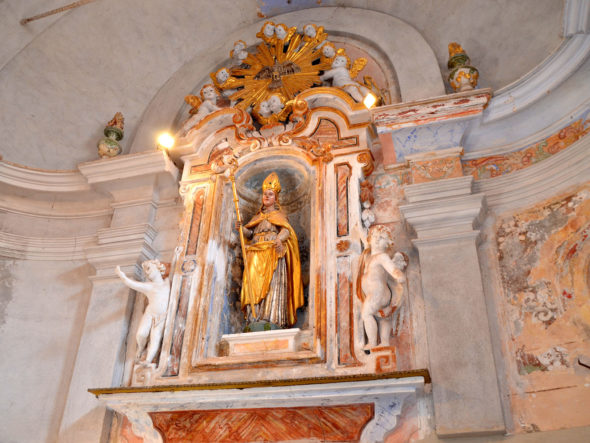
[
  {"x": 556, "y": 109},
  {"x": 13, "y": 35},
  {"x": 42, "y": 309},
  {"x": 63, "y": 77},
  {"x": 505, "y": 39},
  {"x": 104, "y": 57}
]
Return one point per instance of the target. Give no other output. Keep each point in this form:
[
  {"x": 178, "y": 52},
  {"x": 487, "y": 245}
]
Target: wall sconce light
[
  {"x": 165, "y": 141},
  {"x": 369, "y": 100}
]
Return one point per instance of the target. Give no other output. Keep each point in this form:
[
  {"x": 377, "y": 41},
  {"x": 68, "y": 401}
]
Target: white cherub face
[
  {"x": 380, "y": 239},
  {"x": 264, "y": 109},
  {"x": 222, "y": 76},
  {"x": 281, "y": 32},
  {"x": 268, "y": 30},
  {"x": 209, "y": 93},
  {"x": 238, "y": 46},
  {"x": 275, "y": 104},
  {"x": 151, "y": 271},
  {"x": 328, "y": 51},
  {"x": 378, "y": 242},
  {"x": 339, "y": 62},
  {"x": 310, "y": 31}
]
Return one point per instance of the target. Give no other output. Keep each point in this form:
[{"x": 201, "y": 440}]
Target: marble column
[{"x": 465, "y": 390}]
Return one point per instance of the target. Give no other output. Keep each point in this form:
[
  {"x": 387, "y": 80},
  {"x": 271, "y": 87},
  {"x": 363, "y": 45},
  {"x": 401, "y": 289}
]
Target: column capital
[
  {"x": 133, "y": 176},
  {"x": 443, "y": 210},
  {"x": 125, "y": 246}
]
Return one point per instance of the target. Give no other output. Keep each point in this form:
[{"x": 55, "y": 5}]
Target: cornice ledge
[
  {"x": 41, "y": 180},
  {"x": 141, "y": 231},
  {"x": 444, "y": 213},
  {"x": 531, "y": 139},
  {"x": 553, "y": 71},
  {"x": 44, "y": 248},
  {"x": 104, "y": 258},
  {"x": 542, "y": 180},
  {"x": 128, "y": 166},
  {"x": 57, "y": 210},
  {"x": 461, "y": 105}
]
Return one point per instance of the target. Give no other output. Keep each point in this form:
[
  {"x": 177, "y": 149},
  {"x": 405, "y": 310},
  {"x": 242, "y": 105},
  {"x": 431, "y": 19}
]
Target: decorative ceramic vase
[
  {"x": 108, "y": 146},
  {"x": 463, "y": 76}
]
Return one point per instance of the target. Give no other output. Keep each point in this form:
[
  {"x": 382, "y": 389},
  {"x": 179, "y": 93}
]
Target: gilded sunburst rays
[
  {"x": 266, "y": 81},
  {"x": 279, "y": 65}
]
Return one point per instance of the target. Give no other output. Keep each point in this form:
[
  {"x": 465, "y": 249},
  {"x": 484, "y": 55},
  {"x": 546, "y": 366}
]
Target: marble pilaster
[
  {"x": 134, "y": 184},
  {"x": 465, "y": 389}
]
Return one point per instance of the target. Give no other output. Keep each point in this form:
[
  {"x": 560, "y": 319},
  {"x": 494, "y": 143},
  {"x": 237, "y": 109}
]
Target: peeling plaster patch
[
  {"x": 6, "y": 284},
  {"x": 527, "y": 362},
  {"x": 388, "y": 194},
  {"x": 552, "y": 359},
  {"x": 555, "y": 358},
  {"x": 544, "y": 258},
  {"x": 520, "y": 239}
]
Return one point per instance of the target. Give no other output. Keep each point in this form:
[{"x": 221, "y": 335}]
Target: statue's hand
[
  {"x": 280, "y": 247},
  {"x": 119, "y": 272},
  {"x": 238, "y": 225}
]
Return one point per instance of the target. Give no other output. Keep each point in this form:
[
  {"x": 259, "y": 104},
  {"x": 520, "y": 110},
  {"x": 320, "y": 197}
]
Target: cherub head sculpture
[
  {"x": 341, "y": 60},
  {"x": 310, "y": 30},
  {"x": 380, "y": 237},
  {"x": 222, "y": 75},
  {"x": 151, "y": 269},
  {"x": 267, "y": 31},
  {"x": 328, "y": 50},
  {"x": 208, "y": 92},
  {"x": 239, "y": 46},
  {"x": 263, "y": 109},
  {"x": 281, "y": 31},
  {"x": 276, "y": 104}
]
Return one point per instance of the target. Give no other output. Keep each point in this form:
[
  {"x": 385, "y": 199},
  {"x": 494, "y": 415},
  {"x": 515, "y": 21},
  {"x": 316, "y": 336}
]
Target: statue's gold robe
[{"x": 261, "y": 263}]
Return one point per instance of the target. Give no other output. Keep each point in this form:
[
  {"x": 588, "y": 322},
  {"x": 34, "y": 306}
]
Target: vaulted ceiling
[{"x": 63, "y": 77}]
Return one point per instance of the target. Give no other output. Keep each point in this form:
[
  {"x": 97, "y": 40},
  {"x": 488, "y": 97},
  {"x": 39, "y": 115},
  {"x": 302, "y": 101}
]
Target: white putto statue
[
  {"x": 380, "y": 286},
  {"x": 342, "y": 75},
  {"x": 157, "y": 291},
  {"x": 204, "y": 106}
]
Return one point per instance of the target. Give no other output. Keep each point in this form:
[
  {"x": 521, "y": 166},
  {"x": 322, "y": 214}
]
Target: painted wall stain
[{"x": 544, "y": 257}]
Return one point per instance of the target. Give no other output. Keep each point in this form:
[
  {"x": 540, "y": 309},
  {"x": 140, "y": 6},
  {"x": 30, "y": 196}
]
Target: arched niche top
[
  {"x": 403, "y": 47},
  {"x": 295, "y": 174}
]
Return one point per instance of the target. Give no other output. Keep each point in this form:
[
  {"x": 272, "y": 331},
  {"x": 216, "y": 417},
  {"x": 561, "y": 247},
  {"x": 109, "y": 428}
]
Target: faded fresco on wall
[
  {"x": 497, "y": 165},
  {"x": 544, "y": 256}
]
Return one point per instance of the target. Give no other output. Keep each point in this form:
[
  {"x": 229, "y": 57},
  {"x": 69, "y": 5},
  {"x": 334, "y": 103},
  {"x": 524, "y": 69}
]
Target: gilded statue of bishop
[{"x": 271, "y": 284}]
